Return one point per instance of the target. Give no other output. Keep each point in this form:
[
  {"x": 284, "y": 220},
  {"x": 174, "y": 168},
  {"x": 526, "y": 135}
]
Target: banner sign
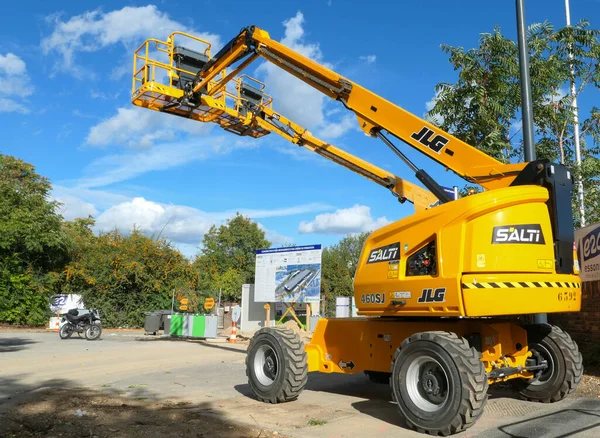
[
  {"x": 588, "y": 252},
  {"x": 289, "y": 275}
]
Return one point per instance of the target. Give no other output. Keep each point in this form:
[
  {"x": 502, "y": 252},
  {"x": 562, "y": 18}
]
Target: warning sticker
[{"x": 393, "y": 270}]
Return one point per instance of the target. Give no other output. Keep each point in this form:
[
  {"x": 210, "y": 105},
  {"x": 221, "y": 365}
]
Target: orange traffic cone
[{"x": 233, "y": 337}]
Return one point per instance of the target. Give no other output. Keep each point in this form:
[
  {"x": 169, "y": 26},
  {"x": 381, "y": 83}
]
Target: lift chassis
[{"x": 443, "y": 294}]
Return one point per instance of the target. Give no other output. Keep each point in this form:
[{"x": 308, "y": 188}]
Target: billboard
[
  {"x": 588, "y": 252},
  {"x": 288, "y": 275},
  {"x": 65, "y": 302}
]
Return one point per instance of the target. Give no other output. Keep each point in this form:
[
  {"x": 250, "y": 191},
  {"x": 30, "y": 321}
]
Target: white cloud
[
  {"x": 333, "y": 130},
  {"x": 97, "y": 198},
  {"x": 9, "y": 105},
  {"x": 369, "y": 59},
  {"x": 185, "y": 226},
  {"x": 274, "y": 237},
  {"x": 181, "y": 224},
  {"x": 293, "y": 98},
  {"x": 73, "y": 207},
  {"x": 95, "y": 30},
  {"x": 431, "y": 103},
  {"x": 115, "y": 168},
  {"x": 15, "y": 84},
  {"x": 178, "y": 223},
  {"x": 278, "y": 212},
  {"x": 355, "y": 219},
  {"x": 140, "y": 128},
  {"x": 11, "y": 64}
]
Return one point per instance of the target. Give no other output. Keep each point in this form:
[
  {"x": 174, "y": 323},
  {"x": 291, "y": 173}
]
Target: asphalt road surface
[{"x": 208, "y": 380}]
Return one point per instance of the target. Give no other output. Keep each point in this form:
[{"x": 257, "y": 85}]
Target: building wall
[{"x": 583, "y": 326}]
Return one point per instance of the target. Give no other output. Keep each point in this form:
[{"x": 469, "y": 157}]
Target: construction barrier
[{"x": 193, "y": 326}]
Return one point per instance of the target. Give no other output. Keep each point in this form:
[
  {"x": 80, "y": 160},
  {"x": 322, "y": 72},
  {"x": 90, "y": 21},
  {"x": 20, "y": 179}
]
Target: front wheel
[
  {"x": 93, "y": 332},
  {"x": 439, "y": 383},
  {"x": 66, "y": 330},
  {"x": 555, "y": 347},
  {"x": 276, "y": 365}
]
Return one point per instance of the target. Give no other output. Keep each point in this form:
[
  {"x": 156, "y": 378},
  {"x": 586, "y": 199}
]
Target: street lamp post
[{"x": 576, "y": 127}]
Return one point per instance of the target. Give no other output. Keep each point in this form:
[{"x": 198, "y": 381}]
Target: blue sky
[{"x": 65, "y": 84}]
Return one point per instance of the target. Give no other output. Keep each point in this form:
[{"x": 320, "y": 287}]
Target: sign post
[{"x": 268, "y": 311}]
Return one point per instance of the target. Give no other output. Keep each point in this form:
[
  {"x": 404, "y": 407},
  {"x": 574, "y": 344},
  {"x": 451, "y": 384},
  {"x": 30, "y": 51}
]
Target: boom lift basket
[
  {"x": 163, "y": 76},
  {"x": 187, "y": 60}
]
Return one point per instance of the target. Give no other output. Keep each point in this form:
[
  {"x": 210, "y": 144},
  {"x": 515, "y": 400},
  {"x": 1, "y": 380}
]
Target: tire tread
[{"x": 472, "y": 372}]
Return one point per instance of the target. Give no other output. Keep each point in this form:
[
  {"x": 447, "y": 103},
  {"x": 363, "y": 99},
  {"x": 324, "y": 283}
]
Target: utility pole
[
  {"x": 526, "y": 104},
  {"x": 576, "y": 127}
]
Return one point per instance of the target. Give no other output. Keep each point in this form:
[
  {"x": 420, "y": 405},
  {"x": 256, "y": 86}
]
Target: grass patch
[
  {"x": 315, "y": 422},
  {"x": 137, "y": 385},
  {"x": 105, "y": 386}
]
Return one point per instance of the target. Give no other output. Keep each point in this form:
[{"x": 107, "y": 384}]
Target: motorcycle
[{"x": 81, "y": 321}]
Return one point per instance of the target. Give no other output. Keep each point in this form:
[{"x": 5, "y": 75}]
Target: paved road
[{"x": 210, "y": 377}]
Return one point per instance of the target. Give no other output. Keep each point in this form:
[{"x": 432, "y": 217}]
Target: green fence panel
[
  {"x": 177, "y": 325},
  {"x": 199, "y": 326}
]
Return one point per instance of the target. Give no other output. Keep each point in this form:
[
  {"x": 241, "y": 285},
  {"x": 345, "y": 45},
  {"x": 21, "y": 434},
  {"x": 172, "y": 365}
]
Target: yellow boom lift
[{"x": 440, "y": 292}]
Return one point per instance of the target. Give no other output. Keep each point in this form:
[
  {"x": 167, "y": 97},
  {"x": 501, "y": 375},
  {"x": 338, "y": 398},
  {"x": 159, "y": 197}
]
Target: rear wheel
[
  {"x": 93, "y": 332},
  {"x": 276, "y": 365},
  {"x": 439, "y": 383},
  {"x": 65, "y": 331},
  {"x": 565, "y": 367}
]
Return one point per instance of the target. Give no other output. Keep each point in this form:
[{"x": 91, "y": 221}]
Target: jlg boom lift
[{"x": 439, "y": 292}]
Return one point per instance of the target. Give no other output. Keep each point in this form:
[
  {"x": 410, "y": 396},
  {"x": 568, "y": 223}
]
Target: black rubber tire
[
  {"x": 88, "y": 330},
  {"x": 378, "y": 377},
  {"x": 466, "y": 387},
  {"x": 63, "y": 333},
  {"x": 292, "y": 370},
  {"x": 566, "y": 362}
]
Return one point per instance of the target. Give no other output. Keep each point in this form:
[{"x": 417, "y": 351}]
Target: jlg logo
[
  {"x": 424, "y": 137},
  {"x": 433, "y": 296}
]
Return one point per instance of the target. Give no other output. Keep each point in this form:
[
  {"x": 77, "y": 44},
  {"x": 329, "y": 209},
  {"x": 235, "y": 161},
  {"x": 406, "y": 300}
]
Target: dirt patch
[
  {"x": 75, "y": 413},
  {"x": 589, "y": 387}
]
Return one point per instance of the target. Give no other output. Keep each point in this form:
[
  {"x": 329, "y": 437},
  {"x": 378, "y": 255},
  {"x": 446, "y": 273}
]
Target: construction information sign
[
  {"x": 288, "y": 275},
  {"x": 588, "y": 252}
]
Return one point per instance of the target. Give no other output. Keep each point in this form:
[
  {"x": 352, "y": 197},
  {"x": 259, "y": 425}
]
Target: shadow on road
[
  {"x": 582, "y": 416},
  {"x": 59, "y": 408},
  {"x": 201, "y": 342},
  {"x": 8, "y": 345}
]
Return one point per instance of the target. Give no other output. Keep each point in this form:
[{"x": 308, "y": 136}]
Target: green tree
[
  {"x": 32, "y": 243},
  {"x": 123, "y": 276},
  {"x": 339, "y": 265},
  {"x": 227, "y": 258},
  {"x": 483, "y": 106}
]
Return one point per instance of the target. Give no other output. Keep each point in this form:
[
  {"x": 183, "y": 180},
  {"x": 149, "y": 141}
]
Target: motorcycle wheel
[
  {"x": 93, "y": 332},
  {"x": 65, "y": 331}
]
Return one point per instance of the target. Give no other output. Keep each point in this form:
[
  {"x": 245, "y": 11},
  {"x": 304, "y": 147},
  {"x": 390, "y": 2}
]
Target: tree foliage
[
  {"x": 228, "y": 256},
  {"x": 124, "y": 276},
  {"x": 483, "y": 106},
  {"x": 339, "y": 264},
  {"x": 32, "y": 243}
]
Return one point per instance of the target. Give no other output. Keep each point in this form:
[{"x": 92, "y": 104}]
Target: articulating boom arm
[
  {"x": 374, "y": 113},
  {"x": 168, "y": 87}
]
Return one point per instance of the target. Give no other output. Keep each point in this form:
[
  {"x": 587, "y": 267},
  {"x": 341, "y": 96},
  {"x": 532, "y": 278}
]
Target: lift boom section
[
  {"x": 163, "y": 77},
  {"x": 374, "y": 113}
]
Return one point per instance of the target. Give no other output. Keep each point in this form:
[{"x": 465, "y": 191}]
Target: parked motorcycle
[{"x": 81, "y": 321}]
